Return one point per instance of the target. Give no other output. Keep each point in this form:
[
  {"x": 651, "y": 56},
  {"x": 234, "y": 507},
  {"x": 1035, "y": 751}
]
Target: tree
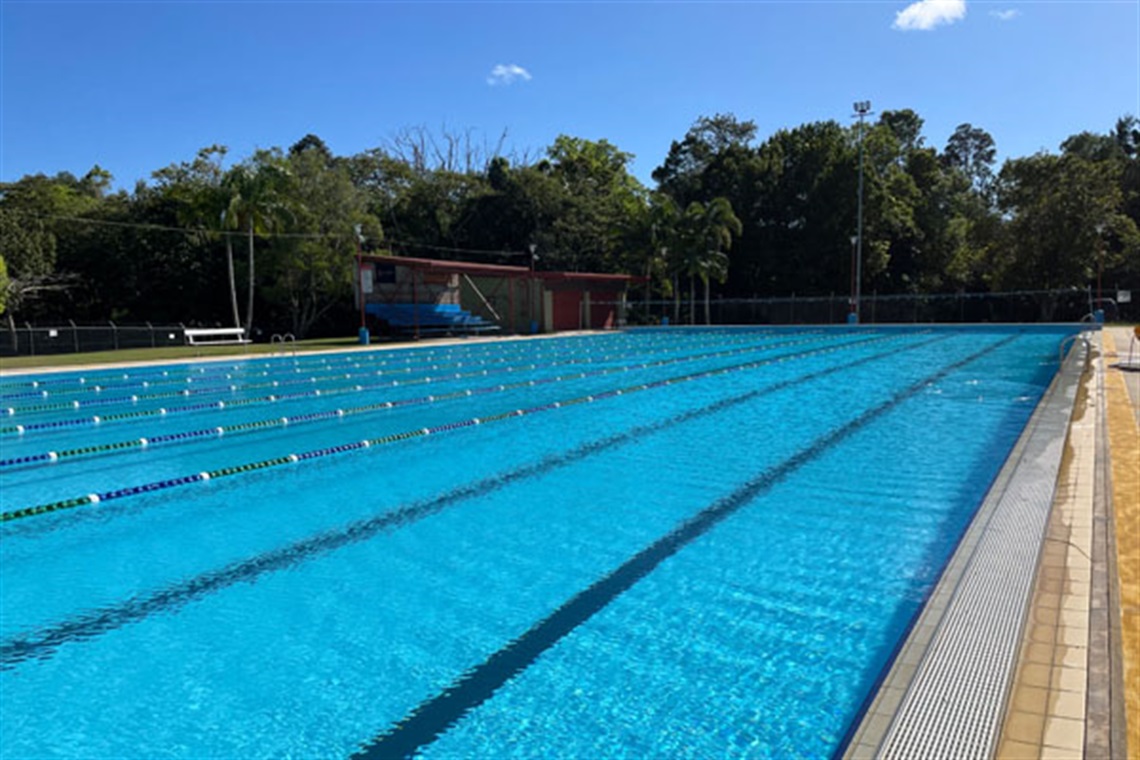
[
  {"x": 706, "y": 231},
  {"x": 310, "y": 271},
  {"x": 599, "y": 200},
  {"x": 686, "y": 173},
  {"x": 256, "y": 206},
  {"x": 5, "y": 282},
  {"x": 34, "y": 212},
  {"x": 202, "y": 200},
  {"x": 971, "y": 150},
  {"x": 1060, "y": 210},
  {"x": 906, "y": 126},
  {"x": 805, "y": 212}
]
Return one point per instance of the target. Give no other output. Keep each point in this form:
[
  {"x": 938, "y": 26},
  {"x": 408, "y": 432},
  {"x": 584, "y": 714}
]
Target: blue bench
[{"x": 431, "y": 319}]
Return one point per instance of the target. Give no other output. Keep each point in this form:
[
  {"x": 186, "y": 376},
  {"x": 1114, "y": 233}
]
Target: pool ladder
[
  {"x": 287, "y": 338},
  {"x": 1073, "y": 339}
]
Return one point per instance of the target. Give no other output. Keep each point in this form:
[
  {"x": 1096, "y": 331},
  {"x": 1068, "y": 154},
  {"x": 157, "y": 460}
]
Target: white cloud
[
  {"x": 1006, "y": 15},
  {"x": 507, "y": 73},
  {"x": 927, "y": 14}
]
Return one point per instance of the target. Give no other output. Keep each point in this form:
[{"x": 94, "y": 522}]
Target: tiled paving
[
  {"x": 1122, "y": 391},
  {"x": 1046, "y": 712}
]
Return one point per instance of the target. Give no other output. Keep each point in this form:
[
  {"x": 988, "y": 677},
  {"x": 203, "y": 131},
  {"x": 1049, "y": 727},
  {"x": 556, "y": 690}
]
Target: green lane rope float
[
  {"x": 203, "y": 406},
  {"x": 52, "y": 456},
  {"x": 97, "y": 498}
]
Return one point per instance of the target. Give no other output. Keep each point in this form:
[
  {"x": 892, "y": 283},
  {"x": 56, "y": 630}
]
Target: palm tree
[
  {"x": 198, "y": 189},
  {"x": 664, "y": 217},
  {"x": 708, "y": 230},
  {"x": 256, "y": 206},
  {"x": 720, "y": 227},
  {"x": 715, "y": 264}
]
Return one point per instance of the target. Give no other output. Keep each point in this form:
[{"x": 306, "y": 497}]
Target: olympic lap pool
[{"x": 659, "y": 543}]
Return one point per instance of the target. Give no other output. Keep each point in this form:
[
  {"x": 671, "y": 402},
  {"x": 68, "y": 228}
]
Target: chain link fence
[
  {"x": 30, "y": 340},
  {"x": 961, "y": 308},
  {"x": 1017, "y": 307}
]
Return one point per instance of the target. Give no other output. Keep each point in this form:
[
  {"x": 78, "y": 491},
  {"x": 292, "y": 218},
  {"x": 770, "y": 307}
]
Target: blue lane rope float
[
  {"x": 419, "y": 358},
  {"x": 98, "y": 498},
  {"x": 45, "y": 641},
  {"x": 230, "y": 388},
  {"x": 273, "y": 398},
  {"x": 114, "y": 379},
  {"x": 368, "y": 408}
]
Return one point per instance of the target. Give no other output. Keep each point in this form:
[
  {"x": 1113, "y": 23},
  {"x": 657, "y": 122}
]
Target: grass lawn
[{"x": 170, "y": 353}]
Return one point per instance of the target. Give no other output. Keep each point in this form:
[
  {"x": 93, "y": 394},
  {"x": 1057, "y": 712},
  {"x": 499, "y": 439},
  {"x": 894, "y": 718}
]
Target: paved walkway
[{"x": 1122, "y": 391}]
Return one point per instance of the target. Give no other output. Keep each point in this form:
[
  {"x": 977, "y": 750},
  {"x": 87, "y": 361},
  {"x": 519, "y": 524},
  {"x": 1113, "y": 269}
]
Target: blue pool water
[{"x": 719, "y": 561}]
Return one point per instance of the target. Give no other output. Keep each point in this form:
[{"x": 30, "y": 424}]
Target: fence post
[
  {"x": 831, "y": 308},
  {"x": 31, "y": 339},
  {"x": 114, "y": 334},
  {"x": 74, "y": 334},
  {"x": 874, "y": 302},
  {"x": 792, "y": 309},
  {"x": 150, "y": 327}
]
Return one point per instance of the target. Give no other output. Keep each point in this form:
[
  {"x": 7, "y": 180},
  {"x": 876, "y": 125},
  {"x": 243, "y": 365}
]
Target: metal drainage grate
[{"x": 953, "y": 708}]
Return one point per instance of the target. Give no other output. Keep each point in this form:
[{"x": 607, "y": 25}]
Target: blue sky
[{"x": 134, "y": 86}]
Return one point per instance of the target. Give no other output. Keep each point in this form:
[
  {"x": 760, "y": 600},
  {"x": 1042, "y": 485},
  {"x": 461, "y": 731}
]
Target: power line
[{"x": 240, "y": 234}]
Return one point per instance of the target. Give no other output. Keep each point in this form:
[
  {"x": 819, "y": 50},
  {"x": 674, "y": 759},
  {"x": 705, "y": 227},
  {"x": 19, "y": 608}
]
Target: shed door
[
  {"x": 567, "y": 309},
  {"x": 603, "y": 310}
]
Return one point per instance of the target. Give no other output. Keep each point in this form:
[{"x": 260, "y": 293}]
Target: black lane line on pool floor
[
  {"x": 432, "y": 718},
  {"x": 43, "y": 642}
]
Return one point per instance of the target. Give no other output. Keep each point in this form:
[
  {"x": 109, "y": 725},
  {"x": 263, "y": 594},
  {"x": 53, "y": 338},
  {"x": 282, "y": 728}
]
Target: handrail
[
  {"x": 283, "y": 339},
  {"x": 1074, "y": 337}
]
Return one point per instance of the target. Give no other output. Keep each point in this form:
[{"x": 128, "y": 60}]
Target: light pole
[
  {"x": 862, "y": 108},
  {"x": 358, "y": 237},
  {"x": 1098, "y": 312},
  {"x": 851, "y": 301}
]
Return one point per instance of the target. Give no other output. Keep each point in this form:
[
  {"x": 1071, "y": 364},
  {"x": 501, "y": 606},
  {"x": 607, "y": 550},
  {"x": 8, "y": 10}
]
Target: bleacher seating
[{"x": 432, "y": 319}]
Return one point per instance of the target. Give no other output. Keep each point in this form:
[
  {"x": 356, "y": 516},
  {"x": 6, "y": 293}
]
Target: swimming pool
[{"x": 687, "y": 543}]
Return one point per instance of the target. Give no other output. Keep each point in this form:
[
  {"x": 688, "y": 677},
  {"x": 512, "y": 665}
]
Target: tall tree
[
  {"x": 706, "y": 232},
  {"x": 256, "y": 206},
  {"x": 599, "y": 199},
  {"x": 310, "y": 271},
  {"x": 972, "y": 151},
  {"x": 198, "y": 188},
  {"x": 1060, "y": 209}
]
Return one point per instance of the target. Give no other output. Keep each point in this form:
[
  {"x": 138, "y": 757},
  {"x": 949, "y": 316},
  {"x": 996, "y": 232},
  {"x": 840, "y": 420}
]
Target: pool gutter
[{"x": 946, "y": 692}]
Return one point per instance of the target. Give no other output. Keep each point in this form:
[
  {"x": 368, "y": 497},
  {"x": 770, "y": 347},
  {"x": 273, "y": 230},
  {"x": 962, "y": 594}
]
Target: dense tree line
[{"x": 270, "y": 240}]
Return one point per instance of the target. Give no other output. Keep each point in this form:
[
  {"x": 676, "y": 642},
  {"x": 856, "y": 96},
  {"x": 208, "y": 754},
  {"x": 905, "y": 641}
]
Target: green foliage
[
  {"x": 1060, "y": 209},
  {"x": 5, "y": 283},
  {"x": 309, "y": 274},
  {"x": 784, "y": 206}
]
